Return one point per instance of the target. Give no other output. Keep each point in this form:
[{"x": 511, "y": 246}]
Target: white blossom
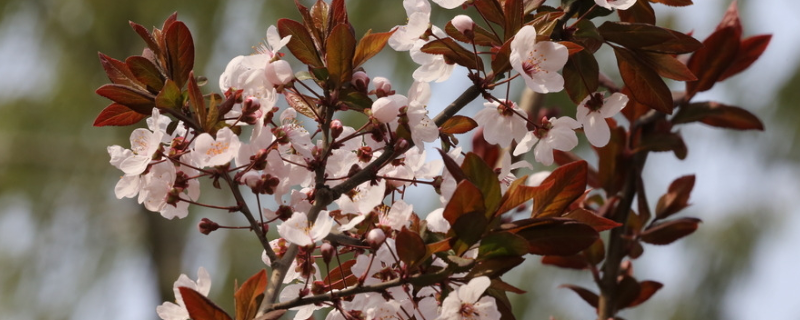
[{"x": 538, "y": 62}]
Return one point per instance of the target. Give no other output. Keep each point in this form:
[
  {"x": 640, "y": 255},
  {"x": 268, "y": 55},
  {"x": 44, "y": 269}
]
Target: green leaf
[
  {"x": 644, "y": 83},
  {"x": 581, "y": 75},
  {"x": 648, "y": 37},
  {"x": 146, "y": 72},
  {"x": 117, "y": 115},
  {"x": 502, "y": 244},
  {"x": 137, "y": 100},
  {"x": 369, "y": 45},
  {"x": 718, "y": 115},
  {"x": 480, "y": 174},
  {"x": 355, "y": 99},
  {"x": 301, "y": 45},
  {"x": 248, "y": 297},
  {"x": 170, "y": 96},
  {"x": 200, "y": 307},
  {"x": 180, "y": 52},
  {"x": 340, "y": 50}
]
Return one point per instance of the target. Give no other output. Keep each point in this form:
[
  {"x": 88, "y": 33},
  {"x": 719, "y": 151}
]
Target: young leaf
[
  {"x": 676, "y": 198},
  {"x": 369, "y": 45},
  {"x": 588, "y": 296},
  {"x": 197, "y": 101},
  {"x": 337, "y": 14},
  {"x": 502, "y": 244},
  {"x": 513, "y": 11},
  {"x": 118, "y": 72},
  {"x": 247, "y": 296},
  {"x": 301, "y": 45},
  {"x": 749, "y": 51},
  {"x": 646, "y": 86},
  {"x": 457, "y": 125},
  {"x": 494, "y": 268},
  {"x": 180, "y": 52},
  {"x": 300, "y": 103},
  {"x": 647, "y": 289},
  {"x": 666, "y": 65},
  {"x": 170, "y": 96},
  {"x": 342, "y": 276},
  {"x": 467, "y": 198},
  {"x": 500, "y": 61},
  {"x": 492, "y": 10},
  {"x": 576, "y": 262},
  {"x": 640, "y": 12},
  {"x": 675, "y": 3},
  {"x": 648, "y": 37},
  {"x": 145, "y": 35},
  {"x": 718, "y": 115},
  {"x": 593, "y": 220},
  {"x": 200, "y": 307},
  {"x": 612, "y": 158},
  {"x": 117, "y": 115},
  {"x": 410, "y": 248},
  {"x": 587, "y": 35},
  {"x": 340, "y": 50},
  {"x": 557, "y": 191},
  {"x": 146, "y": 72},
  {"x": 668, "y": 231},
  {"x": 581, "y": 75},
  {"x": 452, "y": 166},
  {"x": 710, "y": 62},
  {"x": 483, "y": 177},
  {"x": 137, "y": 100},
  {"x": 628, "y": 289},
  {"x": 560, "y": 239},
  {"x": 453, "y": 52},
  {"x": 482, "y": 37},
  {"x": 468, "y": 227}
]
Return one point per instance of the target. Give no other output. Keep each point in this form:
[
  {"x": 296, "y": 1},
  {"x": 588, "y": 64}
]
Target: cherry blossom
[
  {"x": 423, "y": 129},
  {"x": 433, "y": 67},
  {"x": 615, "y": 4},
  {"x": 296, "y": 230},
  {"x": 538, "y": 62},
  {"x": 449, "y": 4},
  {"x": 211, "y": 152},
  {"x": 592, "y": 112},
  {"x": 466, "y": 302},
  {"x": 177, "y": 311},
  {"x": 145, "y": 143},
  {"x": 553, "y": 134},
  {"x": 365, "y": 198},
  {"x": 503, "y": 122},
  {"x": 419, "y": 17}
]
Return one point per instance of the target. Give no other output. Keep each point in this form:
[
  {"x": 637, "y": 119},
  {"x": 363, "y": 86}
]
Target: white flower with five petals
[
  {"x": 177, "y": 311},
  {"x": 538, "y": 62},
  {"x": 503, "y": 122},
  {"x": 552, "y": 134},
  {"x": 592, "y": 113}
]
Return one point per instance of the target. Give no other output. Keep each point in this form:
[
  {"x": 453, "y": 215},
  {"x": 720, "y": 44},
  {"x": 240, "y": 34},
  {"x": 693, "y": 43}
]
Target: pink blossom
[
  {"x": 592, "y": 112},
  {"x": 538, "y": 62}
]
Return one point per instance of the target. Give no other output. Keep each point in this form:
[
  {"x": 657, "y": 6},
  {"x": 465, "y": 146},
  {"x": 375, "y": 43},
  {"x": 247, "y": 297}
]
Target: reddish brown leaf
[
  {"x": 180, "y": 52},
  {"x": 146, "y": 72},
  {"x": 247, "y": 296},
  {"x": 731, "y": 20},
  {"x": 581, "y": 74},
  {"x": 482, "y": 37},
  {"x": 494, "y": 268},
  {"x": 676, "y": 198},
  {"x": 118, "y": 72},
  {"x": 675, "y": 3},
  {"x": 453, "y": 52},
  {"x": 200, "y": 307},
  {"x": 500, "y": 61},
  {"x": 411, "y": 249},
  {"x": 145, "y": 35},
  {"x": 668, "y": 231},
  {"x": 272, "y": 315},
  {"x": 301, "y": 45},
  {"x": 628, "y": 289},
  {"x": 646, "y": 86},
  {"x": 436, "y": 247},
  {"x": 340, "y": 50},
  {"x": 469, "y": 227},
  {"x": 591, "y": 219},
  {"x": 492, "y": 10},
  {"x": 611, "y": 158},
  {"x": 466, "y": 198},
  {"x": 595, "y": 253},
  {"x": 369, "y": 45},
  {"x": 452, "y": 166},
  {"x": 457, "y": 125},
  {"x": 300, "y": 103},
  {"x": 588, "y": 296},
  {"x": 483, "y": 177},
  {"x": 513, "y": 11},
  {"x": 502, "y": 285},
  {"x": 718, "y": 115},
  {"x": 559, "y": 190},
  {"x": 647, "y": 289},
  {"x": 196, "y": 100},
  {"x": 648, "y": 37},
  {"x": 337, "y": 14},
  {"x": 558, "y": 239},
  {"x": 710, "y": 62},
  {"x": 666, "y": 65},
  {"x": 576, "y": 262},
  {"x": 662, "y": 142},
  {"x": 640, "y": 12},
  {"x": 118, "y": 115},
  {"x": 342, "y": 276},
  {"x": 749, "y": 51},
  {"x": 587, "y": 35},
  {"x": 137, "y": 100},
  {"x": 170, "y": 96},
  {"x": 315, "y": 21}
]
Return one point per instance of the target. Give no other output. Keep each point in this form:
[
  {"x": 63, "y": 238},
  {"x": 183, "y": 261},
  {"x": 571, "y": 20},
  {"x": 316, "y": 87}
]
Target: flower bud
[
  {"x": 375, "y": 238},
  {"x": 206, "y": 226},
  {"x": 327, "y": 252},
  {"x": 464, "y": 24},
  {"x": 383, "y": 87},
  {"x": 336, "y": 128},
  {"x": 360, "y": 81}
]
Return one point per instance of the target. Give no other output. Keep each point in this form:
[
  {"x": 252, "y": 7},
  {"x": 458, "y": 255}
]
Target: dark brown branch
[{"x": 245, "y": 210}]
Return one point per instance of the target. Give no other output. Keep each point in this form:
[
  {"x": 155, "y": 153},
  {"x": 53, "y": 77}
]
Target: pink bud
[
  {"x": 360, "y": 81},
  {"x": 206, "y": 226},
  {"x": 463, "y": 24},
  {"x": 375, "y": 238},
  {"x": 336, "y": 128},
  {"x": 383, "y": 87},
  {"x": 327, "y": 252}
]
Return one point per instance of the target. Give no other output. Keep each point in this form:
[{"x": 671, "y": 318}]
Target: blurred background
[{"x": 70, "y": 250}]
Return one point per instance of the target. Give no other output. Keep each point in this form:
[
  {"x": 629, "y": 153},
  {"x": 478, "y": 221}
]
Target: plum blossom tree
[{"x": 340, "y": 187}]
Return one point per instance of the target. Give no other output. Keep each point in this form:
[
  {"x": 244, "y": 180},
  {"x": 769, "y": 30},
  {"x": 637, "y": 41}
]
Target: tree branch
[{"x": 245, "y": 210}]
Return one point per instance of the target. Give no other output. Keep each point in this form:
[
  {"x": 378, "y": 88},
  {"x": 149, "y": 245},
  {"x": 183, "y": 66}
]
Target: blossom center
[
  {"x": 532, "y": 65},
  {"x": 218, "y": 148},
  {"x": 595, "y": 103},
  {"x": 467, "y": 311}
]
